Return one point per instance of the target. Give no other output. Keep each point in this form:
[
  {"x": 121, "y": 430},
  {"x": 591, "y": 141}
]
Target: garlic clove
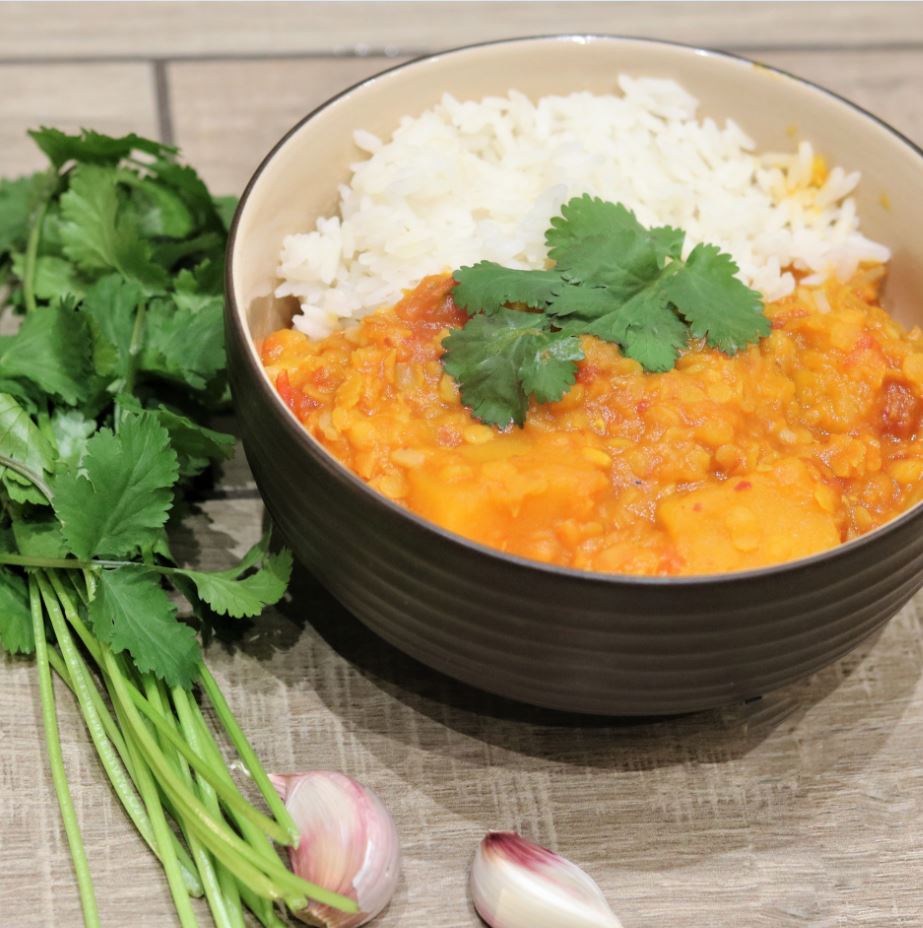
[
  {"x": 517, "y": 884},
  {"x": 349, "y": 844}
]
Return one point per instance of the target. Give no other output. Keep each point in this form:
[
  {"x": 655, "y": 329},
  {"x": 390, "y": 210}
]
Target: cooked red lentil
[{"x": 808, "y": 439}]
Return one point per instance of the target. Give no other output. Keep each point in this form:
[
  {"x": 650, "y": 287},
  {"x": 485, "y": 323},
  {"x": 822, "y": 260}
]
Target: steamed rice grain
[{"x": 479, "y": 180}]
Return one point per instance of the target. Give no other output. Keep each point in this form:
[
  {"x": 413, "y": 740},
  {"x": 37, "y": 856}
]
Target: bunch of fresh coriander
[{"x": 113, "y": 258}]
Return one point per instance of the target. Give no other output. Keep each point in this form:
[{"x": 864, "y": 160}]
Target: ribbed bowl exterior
[
  {"x": 557, "y": 639},
  {"x": 552, "y": 637}
]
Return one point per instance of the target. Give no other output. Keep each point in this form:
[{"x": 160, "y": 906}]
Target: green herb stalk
[{"x": 113, "y": 261}]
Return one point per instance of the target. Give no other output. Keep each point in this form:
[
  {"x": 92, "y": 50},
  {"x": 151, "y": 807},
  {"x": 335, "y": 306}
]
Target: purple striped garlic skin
[
  {"x": 518, "y": 884},
  {"x": 349, "y": 844}
]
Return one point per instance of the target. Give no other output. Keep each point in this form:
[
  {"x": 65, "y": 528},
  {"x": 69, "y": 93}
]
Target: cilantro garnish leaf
[
  {"x": 647, "y": 329},
  {"x": 131, "y": 612},
  {"x": 16, "y": 636},
  {"x": 582, "y": 302},
  {"x": 50, "y": 350},
  {"x": 120, "y": 496},
  {"x": 498, "y": 360},
  {"x": 718, "y": 306},
  {"x": 613, "y": 279},
  {"x": 487, "y": 286}
]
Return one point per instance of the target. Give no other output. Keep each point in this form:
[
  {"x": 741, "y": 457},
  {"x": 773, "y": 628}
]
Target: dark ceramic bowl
[{"x": 562, "y": 638}]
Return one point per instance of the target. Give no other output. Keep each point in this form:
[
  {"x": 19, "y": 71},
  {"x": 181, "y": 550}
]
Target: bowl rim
[{"x": 343, "y": 473}]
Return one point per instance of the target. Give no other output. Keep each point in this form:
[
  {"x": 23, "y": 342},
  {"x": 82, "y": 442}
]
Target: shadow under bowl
[{"x": 554, "y": 637}]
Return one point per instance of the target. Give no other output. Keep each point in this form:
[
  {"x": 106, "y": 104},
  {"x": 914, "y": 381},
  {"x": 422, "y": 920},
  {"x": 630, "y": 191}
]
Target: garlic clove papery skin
[
  {"x": 517, "y": 884},
  {"x": 348, "y": 844}
]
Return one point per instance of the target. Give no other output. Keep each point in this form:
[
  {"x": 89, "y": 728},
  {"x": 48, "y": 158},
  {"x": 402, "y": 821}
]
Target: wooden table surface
[{"x": 801, "y": 809}]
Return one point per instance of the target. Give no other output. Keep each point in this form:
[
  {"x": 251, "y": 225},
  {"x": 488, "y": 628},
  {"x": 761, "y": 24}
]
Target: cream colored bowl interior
[{"x": 299, "y": 181}]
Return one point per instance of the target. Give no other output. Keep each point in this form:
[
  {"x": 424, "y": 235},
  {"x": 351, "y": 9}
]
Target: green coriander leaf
[
  {"x": 195, "y": 445},
  {"x": 487, "y": 286},
  {"x": 583, "y": 302},
  {"x": 493, "y": 356},
  {"x": 228, "y": 594},
  {"x": 119, "y": 499},
  {"x": 18, "y": 200},
  {"x": 16, "y": 635},
  {"x": 111, "y": 305},
  {"x": 39, "y": 536},
  {"x": 50, "y": 350},
  {"x": 647, "y": 329},
  {"x": 192, "y": 291},
  {"x": 186, "y": 182},
  {"x": 209, "y": 244},
  {"x": 226, "y": 207},
  {"x": 71, "y": 429},
  {"x": 98, "y": 236},
  {"x": 602, "y": 243},
  {"x": 93, "y": 147},
  {"x": 549, "y": 369},
  {"x": 668, "y": 243},
  {"x": 717, "y": 305},
  {"x": 160, "y": 210},
  {"x": 131, "y": 612},
  {"x": 22, "y": 441},
  {"x": 184, "y": 345},
  {"x": 54, "y": 277}
]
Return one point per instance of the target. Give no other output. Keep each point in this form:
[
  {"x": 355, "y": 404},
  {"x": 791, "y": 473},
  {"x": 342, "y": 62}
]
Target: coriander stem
[
  {"x": 31, "y": 259},
  {"x": 190, "y": 878},
  {"x": 257, "y": 839},
  {"x": 261, "y": 908},
  {"x": 81, "y": 686},
  {"x": 56, "y": 761},
  {"x": 228, "y": 792},
  {"x": 30, "y": 475},
  {"x": 162, "y": 833},
  {"x": 140, "y": 818},
  {"x": 248, "y": 755},
  {"x": 59, "y": 563},
  {"x": 218, "y": 836},
  {"x": 206, "y": 867},
  {"x": 134, "y": 348},
  {"x": 187, "y": 721}
]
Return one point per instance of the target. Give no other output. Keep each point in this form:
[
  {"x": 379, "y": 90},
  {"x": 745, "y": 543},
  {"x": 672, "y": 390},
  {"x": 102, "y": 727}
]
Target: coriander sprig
[
  {"x": 612, "y": 279},
  {"x": 113, "y": 261}
]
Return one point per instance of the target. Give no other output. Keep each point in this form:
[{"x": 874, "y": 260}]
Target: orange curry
[{"x": 808, "y": 439}]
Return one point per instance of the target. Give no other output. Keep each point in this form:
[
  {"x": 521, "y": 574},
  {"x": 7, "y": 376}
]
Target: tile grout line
[
  {"x": 394, "y": 53},
  {"x": 162, "y": 100}
]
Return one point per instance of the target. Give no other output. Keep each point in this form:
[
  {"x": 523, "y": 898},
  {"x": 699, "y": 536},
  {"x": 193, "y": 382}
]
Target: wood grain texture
[
  {"x": 109, "y": 97},
  {"x": 228, "y": 114},
  {"x": 800, "y": 810},
  {"x": 213, "y": 29}
]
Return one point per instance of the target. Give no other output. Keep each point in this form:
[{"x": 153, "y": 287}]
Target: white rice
[{"x": 465, "y": 182}]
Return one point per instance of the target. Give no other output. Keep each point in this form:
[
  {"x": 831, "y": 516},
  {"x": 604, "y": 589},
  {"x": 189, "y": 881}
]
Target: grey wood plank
[
  {"x": 801, "y": 809},
  {"x": 112, "y": 98},
  {"x": 227, "y": 115},
  {"x": 207, "y": 29}
]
